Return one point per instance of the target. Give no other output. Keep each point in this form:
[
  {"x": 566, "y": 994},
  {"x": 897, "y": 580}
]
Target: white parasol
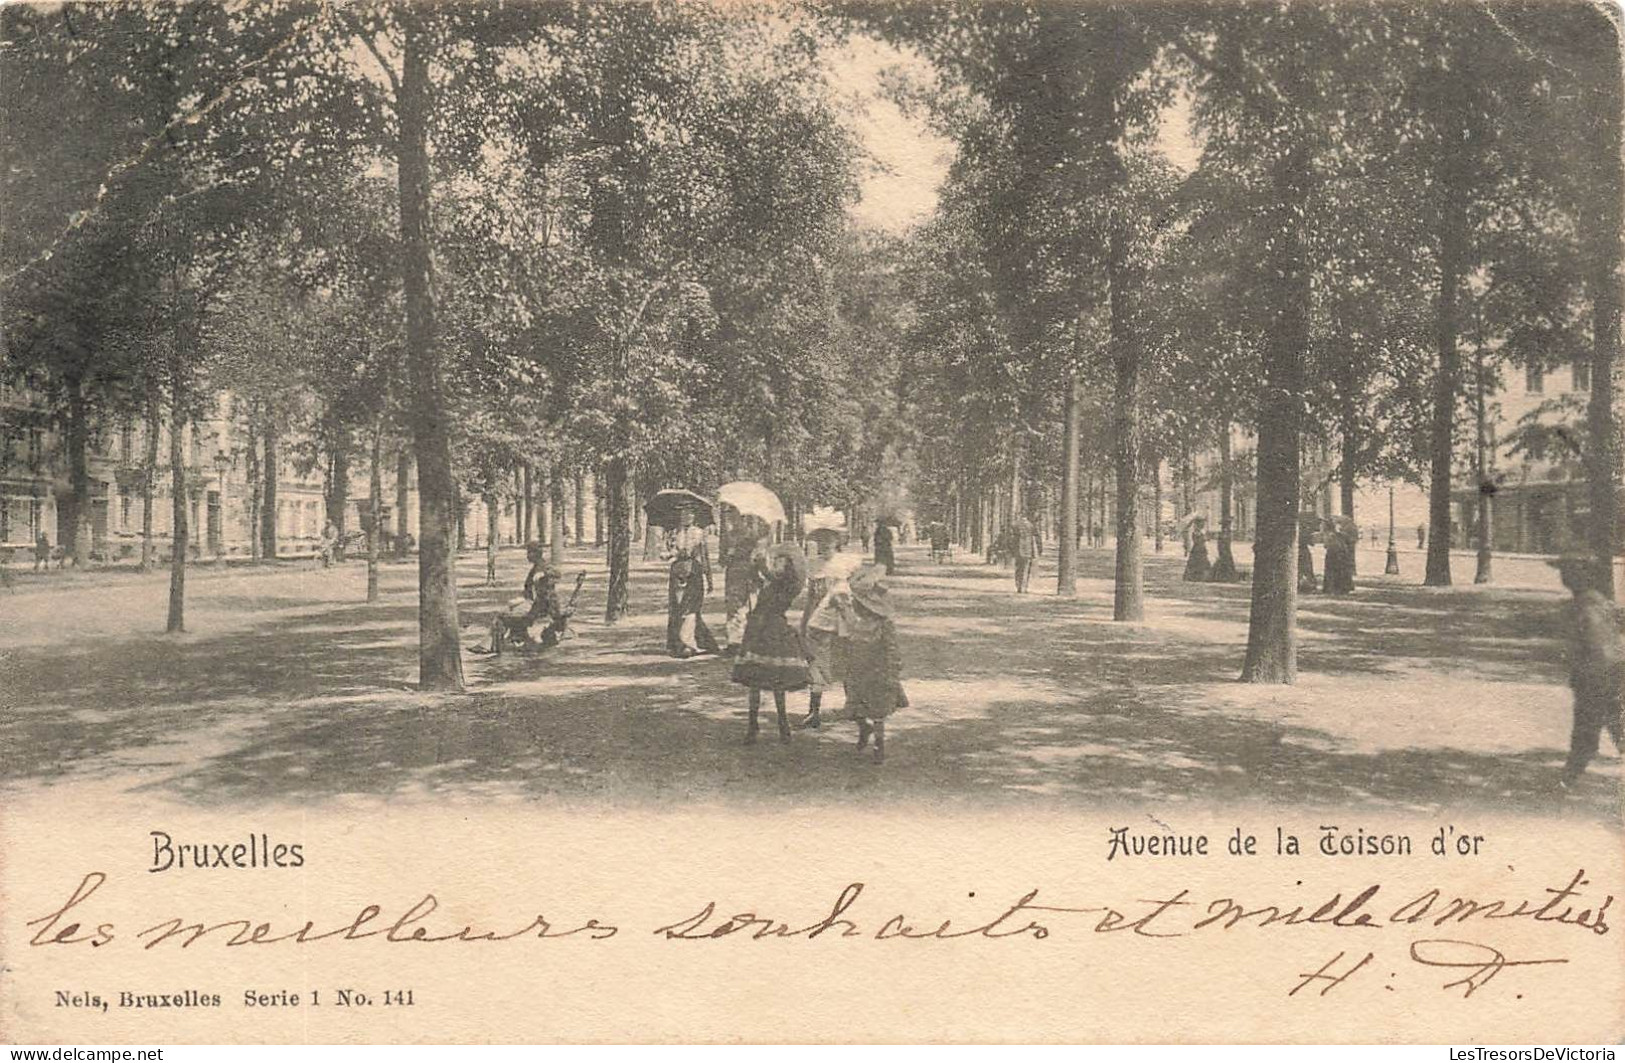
[{"x": 752, "y": 500}]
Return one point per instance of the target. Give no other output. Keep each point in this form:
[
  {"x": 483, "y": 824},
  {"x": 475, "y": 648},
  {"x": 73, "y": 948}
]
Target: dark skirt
[
  {"x": 685, "y": 596},
  {"x": 1197, "y": 568},
  {"x": 770, "y": 658}
]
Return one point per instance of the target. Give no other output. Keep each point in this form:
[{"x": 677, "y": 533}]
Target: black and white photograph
[{"x": 810, "y": 411}]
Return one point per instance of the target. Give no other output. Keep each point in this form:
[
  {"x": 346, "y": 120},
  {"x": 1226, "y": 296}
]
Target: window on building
[
  {"x": 1582, "y": 376},
  {"x": 126, "y": 442},
  {"x": 1534, "y": 380},
  {"x": 36, "y": 447}
]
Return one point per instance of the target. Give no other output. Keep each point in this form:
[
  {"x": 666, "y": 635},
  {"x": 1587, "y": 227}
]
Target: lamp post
[
  {"x": 1486, "y": 485},
  {"x": 1392, "y": 567},
  {"x": 217, "y": 531}
]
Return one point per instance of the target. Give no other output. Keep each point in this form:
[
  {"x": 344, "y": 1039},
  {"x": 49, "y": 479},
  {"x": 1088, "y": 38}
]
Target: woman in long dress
[{"x": 687, "y": 584}]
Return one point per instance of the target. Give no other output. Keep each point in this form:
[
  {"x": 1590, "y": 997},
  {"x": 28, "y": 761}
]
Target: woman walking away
[
  {"x": 874, "y": 688},
  {"x": 686, "y": 587},
  {"x": 821, "y": 623},
  {"x": 883, "y": 547},
  {"x": 770, "y": 657},
  {"x": 1197, "y": 568}
]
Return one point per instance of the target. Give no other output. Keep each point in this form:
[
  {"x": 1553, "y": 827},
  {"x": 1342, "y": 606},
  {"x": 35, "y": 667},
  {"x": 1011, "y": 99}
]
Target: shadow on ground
[{"x": 1028, "y": 698}]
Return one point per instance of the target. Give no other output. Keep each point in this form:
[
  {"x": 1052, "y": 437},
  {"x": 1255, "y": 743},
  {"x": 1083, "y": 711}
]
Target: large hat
[
  {"x": 869, "y": 589},
  {"x": 797, "y": 559},
  {"x": 833, "y": 535}
]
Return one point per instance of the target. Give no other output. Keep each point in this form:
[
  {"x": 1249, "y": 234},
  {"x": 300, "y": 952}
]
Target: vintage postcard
[{"x": 811, "y": 521}]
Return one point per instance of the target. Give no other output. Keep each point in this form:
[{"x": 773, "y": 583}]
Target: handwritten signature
[{"x": 1174, "y": 916}]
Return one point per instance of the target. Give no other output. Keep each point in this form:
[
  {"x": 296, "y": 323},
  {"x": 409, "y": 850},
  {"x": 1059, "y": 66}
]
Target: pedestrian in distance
[
  {"x": 883, "y": 547},
  {"x": 1341, "y": 536},
  {"x": 329, "y": 544},
  {"x": 771, "y": 658},
  {"x": 1197, "y": 566},
  {"x": 42, "y": 553},
  {"x": 1596, "y": 665},
  {"x": 1027, "y": 548}
]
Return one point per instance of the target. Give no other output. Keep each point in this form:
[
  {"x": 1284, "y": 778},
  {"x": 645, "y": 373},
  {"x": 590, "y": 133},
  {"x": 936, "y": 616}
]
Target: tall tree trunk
[
  {"x": 543, "y": 486},
  {"x": 1156, "y": 501},
  {"x": 1603, "y": 450},
  {"x": 179, "y": 538},
  {"x": 620, "y": 539},
  {"x": 1066, "y": 550},
  {"x": 338, "y": 485},
  {"x": 271, "y": 466},
  {"x": 579, "y": 487},
  {"x": 1128, "y": 598},
  {"x": 375, "y": 509},
  {"x": 492, "y": 533},
  {"x": 1485, "y": 570},
  {"x": 597, "y": 508},
  {"x": 1272, "y": 648},
  {"x": 995, "y": 526},
  {"x": 403, "y": 495},
  {"x": 149, "y": 478},
  {"x": 560, "y": 527},
  {"x": 440, "y": 662},
  {"x": 1224, "y": 561},
  {"x": 1345, "y": 475},
  {"x": 1187, "y": 492},
  {"x": 79, "y": 517},
  {"x": 1018, "y": 494},
  {"x": 1447, "y": 383},
  {"x": 527, "y": 495}
]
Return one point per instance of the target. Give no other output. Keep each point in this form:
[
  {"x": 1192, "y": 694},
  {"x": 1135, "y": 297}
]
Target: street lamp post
[
  {"x": 1486, "y": 486},
  {"x": 222, "y": 462},
  {"x": 1392, "y": 567}
]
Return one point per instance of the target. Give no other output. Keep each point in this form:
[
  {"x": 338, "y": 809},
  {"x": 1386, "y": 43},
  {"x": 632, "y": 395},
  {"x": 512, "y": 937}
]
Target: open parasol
[
  {"x": 752, "y": 500},
  {"x": 663, "y": 508}
]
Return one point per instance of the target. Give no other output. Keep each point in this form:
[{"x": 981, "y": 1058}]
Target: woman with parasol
[
  {"x": 689, "y": 578},
  {"x": 770, "y": 657},
  {"x": 748, "y": 512}
]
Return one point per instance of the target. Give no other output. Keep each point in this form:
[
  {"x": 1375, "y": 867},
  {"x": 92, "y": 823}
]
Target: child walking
[
  {"x": 873, "y": 666},
  {"x": 770, "y": 655},
  {"x": 821, "y": 623}
]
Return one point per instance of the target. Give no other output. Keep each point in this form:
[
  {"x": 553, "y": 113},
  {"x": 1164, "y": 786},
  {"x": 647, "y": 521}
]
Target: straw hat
[{"x": 868, "y": 586}]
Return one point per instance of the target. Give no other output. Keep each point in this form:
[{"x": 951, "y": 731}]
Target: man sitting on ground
[{"x": 541, "y": 604}]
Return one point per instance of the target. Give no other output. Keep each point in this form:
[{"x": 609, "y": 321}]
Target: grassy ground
[{"x": 289, "y": 688}]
